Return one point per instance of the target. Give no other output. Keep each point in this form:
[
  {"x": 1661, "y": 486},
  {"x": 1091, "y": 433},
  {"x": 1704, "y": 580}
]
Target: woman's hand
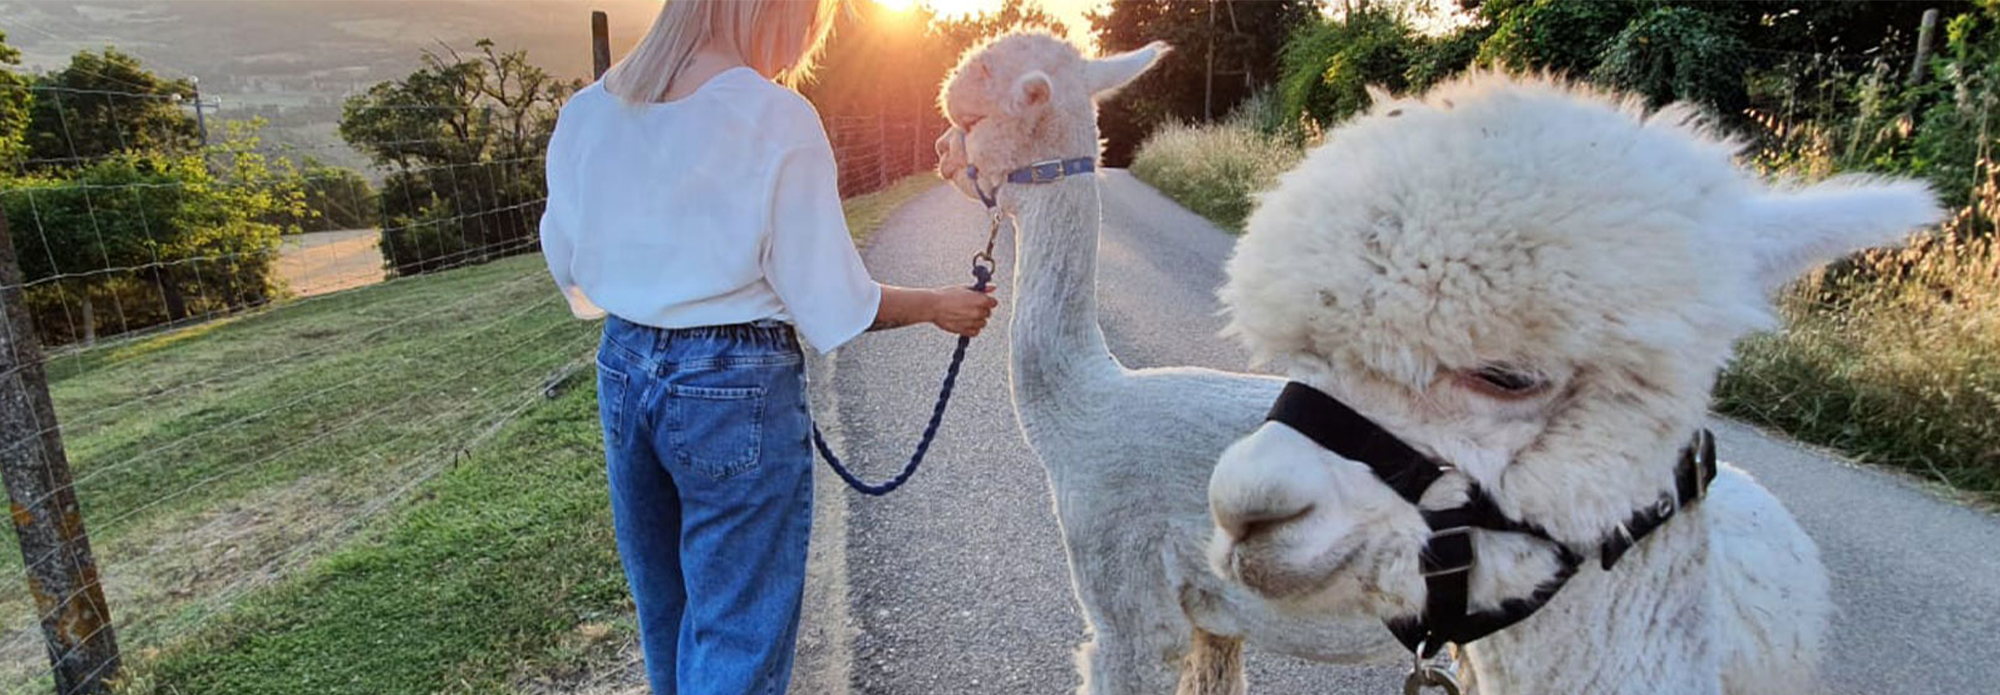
[
  {"x": 963, "y": 310},
  {"x": 958, "y": 310}
]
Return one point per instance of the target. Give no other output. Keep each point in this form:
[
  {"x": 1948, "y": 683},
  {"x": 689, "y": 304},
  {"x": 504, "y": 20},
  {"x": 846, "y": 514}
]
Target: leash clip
[{"x": 1440, "y": 673}]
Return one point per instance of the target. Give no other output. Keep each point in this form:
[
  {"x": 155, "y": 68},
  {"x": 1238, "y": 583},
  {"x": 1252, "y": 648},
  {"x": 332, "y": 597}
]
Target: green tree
[
  {"x": 107, "y": 103},
  {"x": 14, "y": 102},
  {"x": 1330, "y": 64},
  {"x": 1225, "y": 52},
  {"x": 336, "y": 197},
  {"x": 1679, "y": 54},
  {"x": 463, "y": 138},
  {"x": 162, "y": 236}
]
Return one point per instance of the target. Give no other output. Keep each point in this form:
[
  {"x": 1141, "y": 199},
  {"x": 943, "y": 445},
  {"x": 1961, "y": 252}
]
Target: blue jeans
[{"x": 705, "y": 441}]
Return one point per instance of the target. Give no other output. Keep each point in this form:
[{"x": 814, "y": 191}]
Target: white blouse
[{"x": 717, "y": 208}]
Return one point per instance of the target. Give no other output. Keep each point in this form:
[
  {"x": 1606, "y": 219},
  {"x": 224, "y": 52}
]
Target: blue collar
[{"x": 1049, "y": 171}]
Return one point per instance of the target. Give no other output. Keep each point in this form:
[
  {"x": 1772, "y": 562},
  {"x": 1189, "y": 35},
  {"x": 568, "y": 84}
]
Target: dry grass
[
  {"x": 1215, "y": 169},
  {"x": 1894, "y": 358}
]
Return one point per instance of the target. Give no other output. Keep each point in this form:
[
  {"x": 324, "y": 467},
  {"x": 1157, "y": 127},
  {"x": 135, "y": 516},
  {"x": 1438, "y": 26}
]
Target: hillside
[{"x": 293, "y": 62}]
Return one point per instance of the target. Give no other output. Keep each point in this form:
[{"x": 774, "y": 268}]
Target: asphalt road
[{"x": 957, "y": 584}]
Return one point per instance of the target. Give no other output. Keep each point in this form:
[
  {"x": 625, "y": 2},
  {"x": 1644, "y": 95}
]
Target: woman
[{"x": 692, "y": 199}]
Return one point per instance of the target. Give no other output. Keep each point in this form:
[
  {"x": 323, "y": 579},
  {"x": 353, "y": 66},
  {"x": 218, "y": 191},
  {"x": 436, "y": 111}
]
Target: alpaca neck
[
  {"x": 1056, "y": 339},
  {"x": 1640, "y": 628}
]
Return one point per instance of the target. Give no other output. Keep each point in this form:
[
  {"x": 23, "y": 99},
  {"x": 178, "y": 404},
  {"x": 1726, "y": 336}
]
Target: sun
[{"x": 941, "y": 8}]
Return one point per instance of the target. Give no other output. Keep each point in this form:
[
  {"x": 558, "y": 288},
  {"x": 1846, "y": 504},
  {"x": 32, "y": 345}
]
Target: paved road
[{"x": 957, "y": 584}]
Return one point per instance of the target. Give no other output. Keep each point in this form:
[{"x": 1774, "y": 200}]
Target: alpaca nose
[
  {"x": 1243, "y": 524},
  {"x": 942, "y": 145},
  {"x": 1262, "y": 483}
]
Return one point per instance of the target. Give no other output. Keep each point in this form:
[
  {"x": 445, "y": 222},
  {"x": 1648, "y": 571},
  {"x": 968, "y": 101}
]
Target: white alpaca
[
  {"x": 1128, "y": 452},
  {"x": 1536, "y": 285}
]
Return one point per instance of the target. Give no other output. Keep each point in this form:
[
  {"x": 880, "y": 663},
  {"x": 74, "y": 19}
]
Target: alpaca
[
  {"x": 1535, "y": 285},
  {"x": 1128, "y": 452}
]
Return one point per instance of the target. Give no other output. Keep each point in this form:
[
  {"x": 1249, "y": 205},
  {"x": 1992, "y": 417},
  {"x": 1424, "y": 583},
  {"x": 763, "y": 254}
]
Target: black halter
[{"x": 1446, "y": 559}]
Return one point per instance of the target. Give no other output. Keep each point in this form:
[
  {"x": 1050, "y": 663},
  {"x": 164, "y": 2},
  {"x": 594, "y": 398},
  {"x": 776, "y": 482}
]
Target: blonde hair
[{"x": 784, "y": 33}]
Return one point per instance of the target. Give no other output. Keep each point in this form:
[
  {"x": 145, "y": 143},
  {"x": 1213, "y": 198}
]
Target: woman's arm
[{"x": 957, "y": 310}]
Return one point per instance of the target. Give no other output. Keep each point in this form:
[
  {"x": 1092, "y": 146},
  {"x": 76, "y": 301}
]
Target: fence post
[
  {"x": 600, "y": 43},
  {"x": 881, "y": 150},
  {"x": 55, "y": 551},
  {"x": 1926, "y": 33}
]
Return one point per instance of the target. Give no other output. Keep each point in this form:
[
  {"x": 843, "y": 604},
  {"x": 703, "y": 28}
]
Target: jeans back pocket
[{"x": 716, "y": 430}]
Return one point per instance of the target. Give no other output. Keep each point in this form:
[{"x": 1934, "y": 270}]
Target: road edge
[{"x": 827, "y": 627}]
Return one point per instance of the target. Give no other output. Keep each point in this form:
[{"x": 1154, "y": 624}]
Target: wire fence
[{"x": 245, "y": 359}]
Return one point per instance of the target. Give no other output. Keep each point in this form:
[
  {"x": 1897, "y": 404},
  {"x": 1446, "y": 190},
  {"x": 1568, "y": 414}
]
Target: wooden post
[
  {"x": 61, "y": 572},
  {"x": 1926, "y": 33},
  {"x": 600, "y": 43}
]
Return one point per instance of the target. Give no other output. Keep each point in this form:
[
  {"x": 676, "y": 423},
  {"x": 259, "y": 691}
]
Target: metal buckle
[
  {"x": 1440, "y": 673},
  {"x": 1046, "y": 172}
]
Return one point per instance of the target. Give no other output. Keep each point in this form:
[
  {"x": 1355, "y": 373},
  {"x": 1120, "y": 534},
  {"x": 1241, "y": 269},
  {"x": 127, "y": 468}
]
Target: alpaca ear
[
  {"x": 1790, "y": 232},
  {"x": 1030, "y": 91},
  {"x": 1107, "y": 74}
]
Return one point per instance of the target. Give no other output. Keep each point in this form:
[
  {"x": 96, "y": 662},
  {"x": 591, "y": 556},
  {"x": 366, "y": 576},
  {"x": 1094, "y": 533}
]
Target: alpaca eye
[{"x": 1504, "y": 381}]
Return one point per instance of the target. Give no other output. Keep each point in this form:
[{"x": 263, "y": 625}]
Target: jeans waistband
[{"x": 768, "y": 333}]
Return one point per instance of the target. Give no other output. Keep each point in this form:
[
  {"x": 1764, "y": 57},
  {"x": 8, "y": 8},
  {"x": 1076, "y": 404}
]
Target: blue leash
[{"x": 982, "y": 274}]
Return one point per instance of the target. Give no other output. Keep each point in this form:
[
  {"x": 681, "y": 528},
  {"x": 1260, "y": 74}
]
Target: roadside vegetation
[{"x": 1891, "y": 356}]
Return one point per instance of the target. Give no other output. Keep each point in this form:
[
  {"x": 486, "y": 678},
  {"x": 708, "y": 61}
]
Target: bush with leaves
[
  {"x": 1678, "y": 54},
  {"x": 1563, "y": 36},
  {"x": 463, "y": 138},
  {"x": 14, "y": 102},
  {"x": 159, "y": 238},
  {"x": 1330, "y": 64}
]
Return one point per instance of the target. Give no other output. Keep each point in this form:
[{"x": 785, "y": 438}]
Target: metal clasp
[
  {"x": 1046, "y": 172},
  {"x": 1440, "y": 673}
]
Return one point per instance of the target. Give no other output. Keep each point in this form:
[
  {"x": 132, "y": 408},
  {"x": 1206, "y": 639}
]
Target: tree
[
  {"x": 1330, "y": 64},
  {"x": 163, "y": 236},
  {"x": 336, "y": 197},
  {"x": 14, "y": 103},
  {"x": 1679, "y": 54},
  {"x": 1225, "y": 50},
  {"x": 463, "y": 138},
  {"x": 103, "y": 104}
]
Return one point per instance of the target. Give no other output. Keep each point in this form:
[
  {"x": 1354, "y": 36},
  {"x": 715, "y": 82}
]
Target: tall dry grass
[
  {"x": 1893, "y": 357},
  {"x": 1214, "y": 169}
]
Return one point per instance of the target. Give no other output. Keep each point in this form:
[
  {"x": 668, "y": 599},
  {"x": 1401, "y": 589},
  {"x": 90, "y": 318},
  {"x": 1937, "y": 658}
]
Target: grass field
[{"x": 365, "y": 492}]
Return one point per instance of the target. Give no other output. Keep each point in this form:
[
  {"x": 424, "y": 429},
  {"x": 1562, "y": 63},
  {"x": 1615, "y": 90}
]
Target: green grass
[
  {"x": 210, "y": 459},
  {"x": 866, "y": 213},
  {"x": 502, "y": 571},
  {"x": 1214, "y": 170}
]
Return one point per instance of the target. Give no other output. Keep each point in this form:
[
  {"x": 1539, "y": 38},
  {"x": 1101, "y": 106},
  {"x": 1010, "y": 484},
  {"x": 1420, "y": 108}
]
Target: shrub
[
  {"x": 1213, "y": 170},
  {"x": 1560, "y": 35},
  {"x": 134, "y": 241},
  {"x": 1678, "y": 54},
  {"x": 1329, "y": 65}
]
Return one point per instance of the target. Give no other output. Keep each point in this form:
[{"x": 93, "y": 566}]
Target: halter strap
[
  {"x": 1446, "y": 559},
  {"x": 1047, "y": 171}
]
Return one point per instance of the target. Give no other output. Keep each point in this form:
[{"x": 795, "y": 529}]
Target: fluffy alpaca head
[
  {"x": 1025, "y": 98},
  {"x": 1533, "y": 281}
]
